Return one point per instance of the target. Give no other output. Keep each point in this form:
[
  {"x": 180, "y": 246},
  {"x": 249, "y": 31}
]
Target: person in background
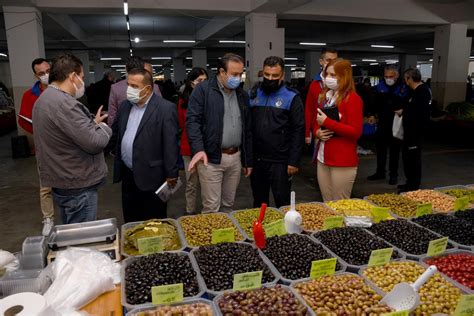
[
  {"x": 277, "y": 134},
  {"x": 195, "y": 77},
  {"x": 99, "y": 92},
  {"x": 336, "y": 147},
  {"x": 41, "y": 68},
  {"x": 70, "y": 142},
  {"x": 415, "y": 115},
  {"x": 219, "y": 130},
  {"x": 315, "y": 89},
  {"x": 118, "y": 91},
  {"x": 389, "y": 97},
  {"x": 145, "y": 138}
]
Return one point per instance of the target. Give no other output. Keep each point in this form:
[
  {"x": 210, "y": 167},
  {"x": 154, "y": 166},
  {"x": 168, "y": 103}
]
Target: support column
[
  {"x": 263, "y": 39},
  {"x": 450, "y": 63},
  {"x": 24, "y": 27},
  {"x": 312, "y": 64},
  {"x": 200, "y": 58},
  {"x": 167, "y": 73},
  {"x": 98, "y": 71},
  {"x": 84, "y": 57},
  {"x": 407, "y": 61},
  {"x": 179, "y": 70}
]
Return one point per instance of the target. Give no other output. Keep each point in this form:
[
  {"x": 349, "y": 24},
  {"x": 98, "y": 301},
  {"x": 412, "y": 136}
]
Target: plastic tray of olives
[
  {"x": 219, "y": 297},
  {"x": 127, "y": 226},
  {"x": 395, "y": 215},
  {"x": 215, "y": 293},
  {"x": 378, "y": 289},
  {"x": 248, "y": 236},
  {"x": 398, "y": 253},
  {"x": 435, "y": 210},
  {"x": 368, "y": 284},
  {"x": 285, "y": 208},
  {"x": 455, "y": 187},
  {"x": 151, "y": 307},
  {"x": 208, "y": 235},
  {"x": 343, "y": 212},
  {"x": 128, "y": 261},
  {"x": 342, "y": 264},
  {"x": 446, "y": 253}
]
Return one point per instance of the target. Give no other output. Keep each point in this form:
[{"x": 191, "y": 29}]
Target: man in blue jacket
[{"x": 277, "y": 133}]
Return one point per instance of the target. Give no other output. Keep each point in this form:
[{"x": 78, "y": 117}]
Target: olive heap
[
  {"x": 292, "y": 255},
  {"x": 198, "y": 228},
  {"x": 218, "y": 264},
  {"x": 467, "y": 215},
  {"x": 458, "y": 193},
  {"x": 436, "y": 296},
  {"x": 405, "y": 235},
  {"x": 456, "y": 229},
  {"x": 246, "y": 218},
  {"x": 313, "y": 215},
  {"x": 352, "y": 244},
  {"x": 193, "y": 309},
  {"x": 158, "y": 269},
  {"x": 398, "y": 204},
  {"x": 345, "y": 294},
  {"x": 351, "y": 207},
  {"x": 263, "y": 301},
  {"x": 441, "y": 202}
]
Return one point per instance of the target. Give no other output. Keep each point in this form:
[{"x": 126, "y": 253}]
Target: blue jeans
[{"x": 77, "y": 208}]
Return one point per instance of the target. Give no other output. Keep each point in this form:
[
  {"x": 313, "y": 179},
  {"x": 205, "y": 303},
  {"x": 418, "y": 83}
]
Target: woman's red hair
[{"x": 343, "y": 70}]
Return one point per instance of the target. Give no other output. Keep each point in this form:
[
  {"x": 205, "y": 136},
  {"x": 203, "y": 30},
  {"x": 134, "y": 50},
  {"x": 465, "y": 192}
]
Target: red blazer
[
  {"x": 341, "y": 149},
  {"x": 27, "y": 102},
  {"x": 185, "y": 148},
  {"x": 315, "y": 89}
]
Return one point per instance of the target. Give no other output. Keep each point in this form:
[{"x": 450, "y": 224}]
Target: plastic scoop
[
  {"x": 258, "y": 232},
  {"x": 404, "y": 296},
  {"x": 293, "y": 219}
]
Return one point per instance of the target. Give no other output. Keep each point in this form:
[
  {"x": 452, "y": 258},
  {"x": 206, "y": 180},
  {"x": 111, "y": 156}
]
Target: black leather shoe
[
  {"x": 376, "y": 176},
  {"x": 393, "y": 180}
]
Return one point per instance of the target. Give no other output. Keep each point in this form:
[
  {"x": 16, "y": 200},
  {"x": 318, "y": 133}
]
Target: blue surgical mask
[{"x": 233, "y": 82}]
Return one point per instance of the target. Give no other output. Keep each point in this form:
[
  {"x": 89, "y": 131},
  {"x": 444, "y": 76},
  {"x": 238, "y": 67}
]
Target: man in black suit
[{"x": 145, "y": 135}]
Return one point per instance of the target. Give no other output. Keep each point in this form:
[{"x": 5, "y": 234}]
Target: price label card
[
  {"x": 424, "y": 209},
  {"x": 461, "y": 203},
  {"x": 167, "y": 294},
  {"x": 223, "y": 235},
  {"x": 276, "y": 228},
  {"x": 380, "y": 214},
  {"x": 465, "y": 306},
  {"x": 333, "y": 222},
  {"x": 147, "y": 246},
  {"x": 437, "y": 246},
  {"x": 324, "y": 267},
  {"x": 400, "y": 313},
  {"x": 247, "y": 281},
  {"x": 380, "y": 257}
]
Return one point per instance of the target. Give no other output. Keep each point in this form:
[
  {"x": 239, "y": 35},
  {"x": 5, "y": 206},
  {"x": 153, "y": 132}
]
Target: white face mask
[
  {"x": 389, "y": 81},
  {"x": 44, "y": 79},
  {"x": 79, "y": 91},
  {"x": 323, "y": 79},
  {"x": 133, "y": 94},
  {"x": 331, "y": 83}
]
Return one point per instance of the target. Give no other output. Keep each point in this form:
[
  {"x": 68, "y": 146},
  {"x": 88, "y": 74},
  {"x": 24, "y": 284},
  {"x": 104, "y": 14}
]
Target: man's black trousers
[{"x": 274, "y": 176}]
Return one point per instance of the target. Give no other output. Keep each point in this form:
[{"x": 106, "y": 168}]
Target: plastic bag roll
[{"x": 26, "y": 304}]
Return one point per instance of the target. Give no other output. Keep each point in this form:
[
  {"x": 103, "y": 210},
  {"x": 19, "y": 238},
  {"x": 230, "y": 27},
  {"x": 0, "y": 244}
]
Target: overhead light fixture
[
  {"x": 213, "y": 68},
  {"x": 291, "y": 58},
  {"x": 382, "y": 46},
  {"x": 117, "y": 66},
  {"x": 232, "y": 42},
  {"x": 110, "y": 58},
  {"x": 179, "y": 41},
  {"x": 136, "y": 40},
  {"x": 91, "y": 72},
  {"x": 312, "y": 44},
  {"x": 353, "y": 65},
  {"x": 161, "y": 58},
  {"x": 125, "y": 7},
  {"x": 128, "y": 25},
  {"x": 369, "y": 60},
  {"x": 3, "y": 55},
  {"x": 431, "y": 59},
  {"x": 290, "y": 65},
  {"x": 157, "y": 65},
  {"x": 373, "y": 64},
  {"x": 391, "y": 61},
  {"x": 188, "y": 58},
  {"x": 471, "y": 57},
  {"x": 429, "y": 48}
]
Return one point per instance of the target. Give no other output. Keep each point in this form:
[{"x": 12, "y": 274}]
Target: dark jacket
[
  {"x": 155, "y": 148},
  {"x": 205, "y": 120},
  {"x": 278, "y": 126},
  {"x": 416, "y": 115},
  {"x": 387, "y": 100}
]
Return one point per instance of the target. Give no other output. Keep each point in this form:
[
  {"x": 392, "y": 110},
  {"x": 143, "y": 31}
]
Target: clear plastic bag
[
  {"x": 397, "y": 127},
  {"x": 165, "y": 191}
]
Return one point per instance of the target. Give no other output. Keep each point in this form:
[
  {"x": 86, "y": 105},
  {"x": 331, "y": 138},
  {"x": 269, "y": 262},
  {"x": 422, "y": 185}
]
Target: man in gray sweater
[{"x": 70, "y": 142}]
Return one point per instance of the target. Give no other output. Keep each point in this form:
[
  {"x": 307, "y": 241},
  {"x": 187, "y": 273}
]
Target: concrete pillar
[
  {"x": 25, "y": 42},
  {"x": 263, "y": 39},
  {"x": 200, "y": 58},
  {"x": 84, "y": 57},
  {"x": 450, "y": 63},
  {"x": 179, "y": 70},
  {"x": 167, "y": 73},
  {"x": 407, "y": 61},
  {"x": 312, "y": 64},
  {"x": 98, "y": 70}
]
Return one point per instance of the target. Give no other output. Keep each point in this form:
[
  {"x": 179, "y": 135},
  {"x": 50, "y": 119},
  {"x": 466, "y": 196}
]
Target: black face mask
[{"x": 270, "y": 86}]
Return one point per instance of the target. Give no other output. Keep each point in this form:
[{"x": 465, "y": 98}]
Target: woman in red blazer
[
  {"x": 195, "y": 76},
  {"x": 336, "y": 152}
]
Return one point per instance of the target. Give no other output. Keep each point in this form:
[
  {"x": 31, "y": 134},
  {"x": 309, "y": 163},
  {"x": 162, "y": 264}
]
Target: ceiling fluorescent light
[
  {"x": 382, "y": 46},
  {"x": 291, "y": 58},
  {"x": 471, "y": 57},
  {"x": 161, "y": 58},
  {"x": 429, "y": 48},
  {"x": 125, "y": 8},
  {"x": 4, "y": 55},
  {"x": 369, "y": 60},
  {"x": 373, "y": 64},
  {"x": 157, "y": 65},
  {"x": 179, "y": 41},
  {"x": 128, "y": 26},
  {"x": 110, "y": 58},
  {"x": 117, "y": 66},
  {"x": 290, "y": 65},
  {"x": 312, "y": 44},
  {"x": 354, "y": 65},
  {"x": 232, "y": 42},
  {"x": 137, "y": 40},
  {"x": 188, "y": 58}
]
